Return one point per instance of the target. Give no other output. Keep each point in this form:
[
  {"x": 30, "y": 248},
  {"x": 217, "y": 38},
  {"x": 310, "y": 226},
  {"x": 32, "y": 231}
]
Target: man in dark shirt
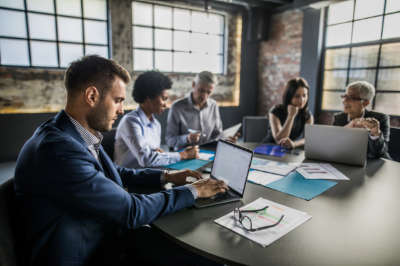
[{"x": 358, "y": 96}]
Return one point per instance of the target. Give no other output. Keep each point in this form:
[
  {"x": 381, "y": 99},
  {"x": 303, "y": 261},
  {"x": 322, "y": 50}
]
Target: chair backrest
[
  {"x": 8, "y": 256},
  {"x": 255, "y": 128},
  {"x": 394, "y": 143},
  {"x": 108, "y": 142}
]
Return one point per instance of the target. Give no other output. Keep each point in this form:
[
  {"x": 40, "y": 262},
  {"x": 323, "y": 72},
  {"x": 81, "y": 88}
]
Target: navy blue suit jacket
[{"x": 70, "y": 203}]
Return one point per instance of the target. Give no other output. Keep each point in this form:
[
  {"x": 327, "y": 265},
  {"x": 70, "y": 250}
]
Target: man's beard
[{"x": 97, "y": 118}]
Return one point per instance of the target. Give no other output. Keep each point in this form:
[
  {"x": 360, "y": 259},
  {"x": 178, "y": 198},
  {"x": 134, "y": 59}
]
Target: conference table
[{"x": 356, "y": 222}]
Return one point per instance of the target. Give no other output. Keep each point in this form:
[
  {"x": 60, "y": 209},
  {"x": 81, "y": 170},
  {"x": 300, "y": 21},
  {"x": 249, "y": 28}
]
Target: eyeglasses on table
[{"x": 246, "y": 222}]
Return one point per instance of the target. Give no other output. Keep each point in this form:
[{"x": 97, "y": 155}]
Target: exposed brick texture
[{"x": 279, "y": 58}]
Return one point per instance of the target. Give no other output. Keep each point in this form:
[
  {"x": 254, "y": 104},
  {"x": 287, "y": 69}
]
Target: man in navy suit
[
  {"x": 72, "y": 198},
  {"x": 358, "y": 96}
]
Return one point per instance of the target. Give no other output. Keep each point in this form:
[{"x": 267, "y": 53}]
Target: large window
[
  {"x": 362, "y": 42},
  {"x": 52, "y": 33},
  {"x": 173, "y": 39}
]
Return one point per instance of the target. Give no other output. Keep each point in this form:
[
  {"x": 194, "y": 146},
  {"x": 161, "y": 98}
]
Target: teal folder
[
  {"x": 192, "y": 164},
  {"x": 296, "y": 185}
]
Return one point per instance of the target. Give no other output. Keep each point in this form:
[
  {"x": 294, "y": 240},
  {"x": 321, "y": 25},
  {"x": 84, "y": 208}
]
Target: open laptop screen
[{"x": 232, "y": 164}]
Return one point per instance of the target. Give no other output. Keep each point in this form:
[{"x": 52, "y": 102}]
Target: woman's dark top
[{"x": 297, "y": 132}]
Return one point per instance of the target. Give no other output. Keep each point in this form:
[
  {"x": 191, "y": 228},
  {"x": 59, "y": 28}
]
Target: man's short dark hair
[
  {"x": 93, "y": 70},
  {"x": 150, "y": 84}
]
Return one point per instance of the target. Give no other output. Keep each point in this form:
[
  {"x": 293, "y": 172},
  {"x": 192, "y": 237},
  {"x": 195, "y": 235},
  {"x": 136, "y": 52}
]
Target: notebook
[
  {"x": 228, "y": 132},
  {"x": 336, "y": 144},
  {"x": 231, "y": 164}
]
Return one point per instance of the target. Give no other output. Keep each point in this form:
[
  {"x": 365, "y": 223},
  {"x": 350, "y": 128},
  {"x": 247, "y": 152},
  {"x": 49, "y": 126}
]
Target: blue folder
[
  {"x": 192, "y": 164},
  {"x": 271, "y": 150},
  {"x": 296, "y": 185}
]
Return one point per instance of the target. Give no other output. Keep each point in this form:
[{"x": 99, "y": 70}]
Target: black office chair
[
  {"x": 255, "y": 128},
  {"x": 394, "y": 143},
  {"x": 108, "y": 142}
]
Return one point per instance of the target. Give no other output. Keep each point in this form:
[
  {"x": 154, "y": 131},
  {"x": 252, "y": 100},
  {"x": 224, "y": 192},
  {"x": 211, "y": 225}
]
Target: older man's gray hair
[
  {"x": 366, "y": 89},
  {"x": 205, "y": 77}
]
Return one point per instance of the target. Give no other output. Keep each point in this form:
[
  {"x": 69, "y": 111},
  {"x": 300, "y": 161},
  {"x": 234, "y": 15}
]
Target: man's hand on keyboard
[{"x": 209, "y": 187}]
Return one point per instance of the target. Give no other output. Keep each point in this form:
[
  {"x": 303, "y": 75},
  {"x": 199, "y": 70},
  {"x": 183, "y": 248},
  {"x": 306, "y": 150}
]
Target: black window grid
[
  {"x": 172, "y": 29},
  {"x": 57, "y": 41},
  {"x": 380, "y": 42}
]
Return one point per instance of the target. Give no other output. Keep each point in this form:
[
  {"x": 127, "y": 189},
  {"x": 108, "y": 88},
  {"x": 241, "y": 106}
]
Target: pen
[{"x": 193, "y": 131}]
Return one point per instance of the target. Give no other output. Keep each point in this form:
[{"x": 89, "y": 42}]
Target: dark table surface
[{"x": 356, "y": 222}]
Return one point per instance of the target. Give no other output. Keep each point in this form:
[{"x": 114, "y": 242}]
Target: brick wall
[{"x": 279, "y": 58}]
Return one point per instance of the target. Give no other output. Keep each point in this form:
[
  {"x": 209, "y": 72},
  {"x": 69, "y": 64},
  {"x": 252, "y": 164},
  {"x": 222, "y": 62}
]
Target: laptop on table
[
  {"x": 232, "y": 165},
  {"x": 336, "y": 144}
]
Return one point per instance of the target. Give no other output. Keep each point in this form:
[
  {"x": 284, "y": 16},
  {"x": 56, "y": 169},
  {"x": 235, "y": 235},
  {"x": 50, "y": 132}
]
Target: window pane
[
  {"x": 14, "y": 18},
  {"x": 14, "y": 52},
  {"x": 337, "y": 58},
  {"x": 95, "y": 32},
  {"x": 198, "y": 20},
  {"x": 387, "y": 103},
  {"x": 338, "y": 34},
  {"x": 163, "y": 16},
  {"x": 12, "y": 3},
  {"x": 199, "y": 42},
  {"x": 181, "y": 19},
  {"x": 181, "y": 41},
  {"x": 142, "y": 14},
  {"x": 331, "y": 100},
  {"x": 69, "y": 53},
  {"x": 95, "y": 9},
  {"x": 362, "y": 74},
  {"x": 163, "y": 39},
  {"x": 391, "y": 27},
  {"x": 142, "y": 37},
  {"x": 367, "y": 30},
  {"x": 70, "y": 7},
  {"x": 214, "y": 44},
  {"x": 214, "y": 63},
  {"x": 70, "y": 29},
  {"x": 163, "y": 61},
  {"x": 392, "y": 5},
  {"x": 42, "y": 27},
  {"x": 366, "y": 56},
  {"x": 335, "y": 80},
  {"x": 182, "y": 62},
  {"x": 44, "y": 54},
  {"x": 99, "y": 50},
  {"x": 215, "y": 24},
  {"x": 142, "y": 60},
  {"x": 340, "y": 12},
  {"x": 40, "y": 5},
  {"x": 389, "y": 79},
  {"x": 390, "y": 54},
  {"x": 368, "y": 8}
]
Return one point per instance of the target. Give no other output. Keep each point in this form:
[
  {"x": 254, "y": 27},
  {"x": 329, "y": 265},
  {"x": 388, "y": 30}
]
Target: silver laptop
[
  {"x": 231, "y": 164},
  {"x": 336, "y": 144}
]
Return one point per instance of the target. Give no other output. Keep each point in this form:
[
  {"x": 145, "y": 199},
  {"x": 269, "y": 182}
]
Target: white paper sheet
[
  {"x": 292, "y": 219},
  {"x": 263, "y": 178},
  {"x": 205, "y": 156},
  {"x": 320, "y": 171},
  {"x": 278, "y": 168}
]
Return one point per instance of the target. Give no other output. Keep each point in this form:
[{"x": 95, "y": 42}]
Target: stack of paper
[{"x": 292, "y": 218}]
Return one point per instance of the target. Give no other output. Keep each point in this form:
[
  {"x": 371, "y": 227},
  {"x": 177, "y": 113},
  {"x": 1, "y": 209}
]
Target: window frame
[
  {"x": 57, "y": 40},
  {"x": 380, "y": 42},
  {"x": 172, "y": 29}
]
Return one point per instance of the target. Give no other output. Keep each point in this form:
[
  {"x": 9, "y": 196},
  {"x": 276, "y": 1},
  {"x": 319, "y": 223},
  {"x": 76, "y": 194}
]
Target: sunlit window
[
  {"x": 174, "y": 39},
  {"x": 362, "y": 42},
  {"x": 52, "y": 33}
]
